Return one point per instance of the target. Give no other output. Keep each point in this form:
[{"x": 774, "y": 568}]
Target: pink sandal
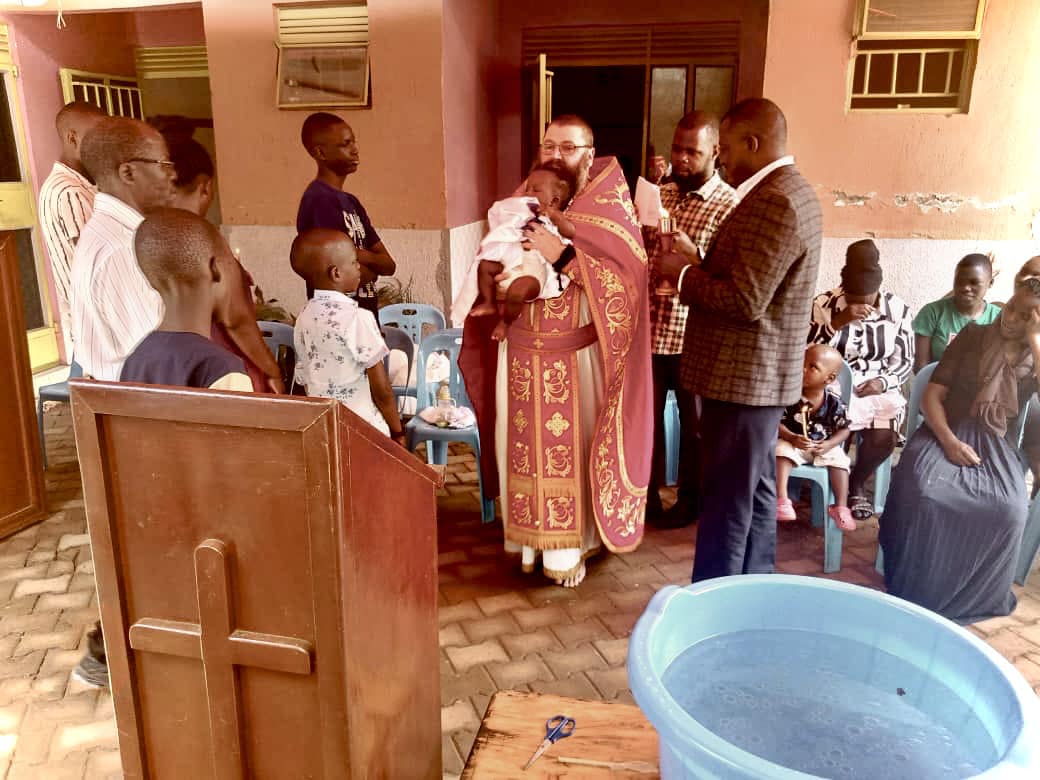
[
  {"x": 785, "y": 510},
  {"x": 842, "y": 517}
]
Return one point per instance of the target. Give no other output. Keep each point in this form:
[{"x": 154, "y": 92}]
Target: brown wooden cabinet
[{"x": 22, "y": 500}]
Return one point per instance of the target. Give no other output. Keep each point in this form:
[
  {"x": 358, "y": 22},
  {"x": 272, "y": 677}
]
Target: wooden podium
[{"x": 267, "y": 575}]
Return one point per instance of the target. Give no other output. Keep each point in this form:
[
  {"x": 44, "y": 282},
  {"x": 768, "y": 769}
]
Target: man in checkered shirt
[{"x": 698, "y": 201}]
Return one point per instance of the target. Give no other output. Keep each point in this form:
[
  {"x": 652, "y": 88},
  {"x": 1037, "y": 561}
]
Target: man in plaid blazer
[{"x": 750, "y": 304}]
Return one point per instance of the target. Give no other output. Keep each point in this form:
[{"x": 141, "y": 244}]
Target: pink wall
[
  {"x": 263, "y": 168},
  {"x": 989, "y": 155},
  {"x": 102, "y": 43},
  {"x": 753, "y": 15},
  {"x": 470, "y": 160},
  {"x": 170, "y": 27},
  {"x": 97, "y": 42}
]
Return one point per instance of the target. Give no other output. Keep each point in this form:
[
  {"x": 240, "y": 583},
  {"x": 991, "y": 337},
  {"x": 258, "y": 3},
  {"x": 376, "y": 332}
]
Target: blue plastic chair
[
  {"x": 276, "y": 334},
  {"x": 59, "y": 391},
  {"x": 448, "y": 342},
  {"x": 396, "y": 338},
  {"x": 411, "y": 317},
  {"x": 822, "y": 495},
  {"x": 1030, "y": 542},
  {"x": 671, "y": 439}
]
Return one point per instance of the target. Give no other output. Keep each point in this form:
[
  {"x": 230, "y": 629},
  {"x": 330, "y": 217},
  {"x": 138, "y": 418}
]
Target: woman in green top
[{"x": 939, "y": 321}]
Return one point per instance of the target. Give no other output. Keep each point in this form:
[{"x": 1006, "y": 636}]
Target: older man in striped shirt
[
  {"x": 113, "y": 306},
  {"x": 66, "y": 203}
]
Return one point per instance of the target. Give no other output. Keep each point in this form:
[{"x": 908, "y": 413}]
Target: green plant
[
  {"x": 270, "y": 310},
  {"x": 395, "y": 291}
]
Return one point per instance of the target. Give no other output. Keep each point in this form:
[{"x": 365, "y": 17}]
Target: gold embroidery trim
[
  {"x": 554, "y": 383},
  {"x": 520, "y": 421},
  {"x": 557, "y": 425}
]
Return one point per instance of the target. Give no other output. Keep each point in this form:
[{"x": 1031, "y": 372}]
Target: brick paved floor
[{"x": 499, "y": 628}]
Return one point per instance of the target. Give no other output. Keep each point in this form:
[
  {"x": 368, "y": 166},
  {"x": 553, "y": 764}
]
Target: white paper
[{"x": 648, "y": 203}]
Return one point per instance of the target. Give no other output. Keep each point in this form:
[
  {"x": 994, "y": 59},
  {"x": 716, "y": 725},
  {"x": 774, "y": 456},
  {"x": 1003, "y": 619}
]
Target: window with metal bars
[
  {"x": 115, "y": 95},
  {"x": 915, "y": 55},
  {"x": 902, "y": 75}
]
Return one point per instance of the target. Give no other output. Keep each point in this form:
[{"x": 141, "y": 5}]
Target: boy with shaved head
[
  {"x": 66, "y": 203},
  {"x": 813, "y": 430},
  {"x": 332, "y": 144},
  {"x": 186, "y": 260},
  {"x": 339, "y": 349},
  {"x": 189, "y": 264}
]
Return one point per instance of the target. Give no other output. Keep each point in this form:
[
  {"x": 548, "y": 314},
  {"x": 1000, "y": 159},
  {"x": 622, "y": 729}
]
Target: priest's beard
[{"x": 580, "y": 169}]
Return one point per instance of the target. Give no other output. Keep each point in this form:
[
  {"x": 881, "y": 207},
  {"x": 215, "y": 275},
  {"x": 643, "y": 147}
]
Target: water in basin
[{"x": 829, "y": 706}]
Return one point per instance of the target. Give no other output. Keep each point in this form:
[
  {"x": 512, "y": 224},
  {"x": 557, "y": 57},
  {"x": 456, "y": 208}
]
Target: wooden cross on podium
[{"x": 221, "y": 647}]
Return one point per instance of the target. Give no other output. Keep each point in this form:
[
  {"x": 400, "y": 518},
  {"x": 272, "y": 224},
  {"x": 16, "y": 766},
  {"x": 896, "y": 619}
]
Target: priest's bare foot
[
  {"x": 499, "y": 333},
  {"x": 483, "y": 310},
  {"x": 574, "y": 580}
]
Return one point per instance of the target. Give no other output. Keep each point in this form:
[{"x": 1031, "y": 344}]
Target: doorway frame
[
  {"x": 544, "y": 65},
  {"x": 44, "y": 351}
]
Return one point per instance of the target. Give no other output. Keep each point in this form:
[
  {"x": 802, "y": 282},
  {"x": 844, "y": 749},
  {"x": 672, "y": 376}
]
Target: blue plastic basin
[{"x": 765, "y": 677}]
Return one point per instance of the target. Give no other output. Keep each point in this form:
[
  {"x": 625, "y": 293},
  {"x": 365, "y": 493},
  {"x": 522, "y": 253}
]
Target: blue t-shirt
[
  {"x": 324, "y": 206},
  {"x": 179, "y": 359}
]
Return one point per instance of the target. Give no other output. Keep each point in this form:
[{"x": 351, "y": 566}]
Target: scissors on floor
[{"x": 556, "y": 728}]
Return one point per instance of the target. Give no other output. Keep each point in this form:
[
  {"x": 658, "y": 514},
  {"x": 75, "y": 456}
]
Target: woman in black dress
[{"x": 953, "y": 521}]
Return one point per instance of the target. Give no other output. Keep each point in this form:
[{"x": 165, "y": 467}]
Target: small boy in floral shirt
[{"x": 339, "y": 349}]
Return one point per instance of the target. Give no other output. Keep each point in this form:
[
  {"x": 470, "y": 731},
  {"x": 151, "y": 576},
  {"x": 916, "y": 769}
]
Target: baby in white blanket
[{"x": 528, "y": 275}]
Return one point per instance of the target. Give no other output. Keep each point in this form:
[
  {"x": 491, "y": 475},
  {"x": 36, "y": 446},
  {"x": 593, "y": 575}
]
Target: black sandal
[{"x": 861, "y": 507}]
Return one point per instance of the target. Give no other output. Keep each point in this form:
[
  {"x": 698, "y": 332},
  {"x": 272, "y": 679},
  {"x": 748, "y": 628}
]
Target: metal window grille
[
  {"x": 171, "y": 62},
  {"x": 914, "y": 55},
  {"x": 116, "y": 95},
  {"x": 888, "y": 76}
]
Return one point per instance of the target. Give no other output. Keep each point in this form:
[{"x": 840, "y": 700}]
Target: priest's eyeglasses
[{"x": 566, "y": 148}]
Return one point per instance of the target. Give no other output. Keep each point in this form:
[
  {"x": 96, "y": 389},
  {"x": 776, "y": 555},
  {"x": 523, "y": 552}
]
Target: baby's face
[{"x": 545, "y": 187}]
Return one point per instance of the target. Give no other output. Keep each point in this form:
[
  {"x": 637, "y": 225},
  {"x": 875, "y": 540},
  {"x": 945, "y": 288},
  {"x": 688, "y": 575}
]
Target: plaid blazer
[{"x": 751, "y": 299}]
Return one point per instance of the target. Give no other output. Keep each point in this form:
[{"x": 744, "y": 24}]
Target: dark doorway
[{"x": 612, "y": 100}]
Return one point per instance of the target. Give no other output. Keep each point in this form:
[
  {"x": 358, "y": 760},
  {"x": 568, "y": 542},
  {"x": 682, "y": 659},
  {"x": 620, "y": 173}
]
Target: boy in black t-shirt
[
  {"x": 331, "y": 142},
  {"x": 812, "y": 431},
  {"x": 188, "y": 262}
]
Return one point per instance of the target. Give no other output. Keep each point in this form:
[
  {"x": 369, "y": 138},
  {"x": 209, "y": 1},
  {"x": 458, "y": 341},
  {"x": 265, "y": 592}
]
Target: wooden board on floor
[{"x": 609, "y": 740}]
